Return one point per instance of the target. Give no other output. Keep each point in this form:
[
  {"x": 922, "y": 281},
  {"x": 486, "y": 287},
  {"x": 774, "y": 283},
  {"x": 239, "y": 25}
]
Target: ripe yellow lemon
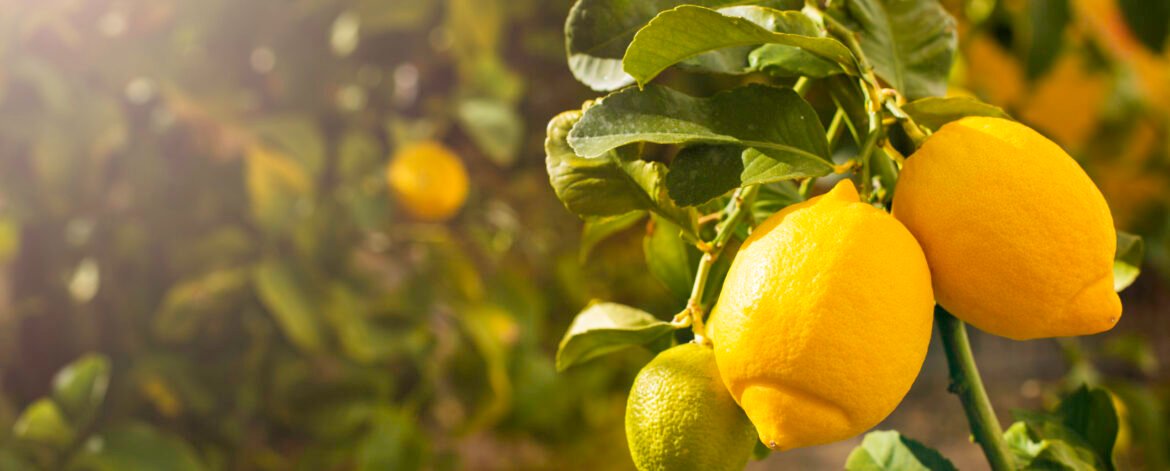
[
  {"x": 1019, "y": 240},
  {"x": 680, "y": 417},
  {"x": 823, "y": 321},
  {"x": 428, "y": 180}
]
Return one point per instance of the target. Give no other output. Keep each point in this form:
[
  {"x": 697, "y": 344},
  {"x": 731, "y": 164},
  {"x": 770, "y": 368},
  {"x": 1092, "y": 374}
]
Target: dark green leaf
[
  {"x": 686, "y": 31},
  {"x": 1048, "y": 22},
  {"x": 1079, "y": 434},
  {"x": 80, "y": 387},
  {"x": 889, "y": 450},
  {"x": 934, "y": 112},
  {"x": 1090, "y": 413},
  {"x": 1149, "y": 21},
  {"x": 1127, "y": 262},
  {"x": 910, "y": 43},
  {"x": 604, "y": 328},
  {"x": 785, "y": 136},
  {"x": 43, "y": 423},
  {"x": 788, "y": 61},
  {"x": 597, "y": 33},
  {"x": 671, "y": 259},
  {"x": 607, "y": 184},
  {"x": 702, "y": 172},
  {"x": 774, "y": 197},
  {"x": 136, "y": 447},
  {"x": 598, "y": 229}
]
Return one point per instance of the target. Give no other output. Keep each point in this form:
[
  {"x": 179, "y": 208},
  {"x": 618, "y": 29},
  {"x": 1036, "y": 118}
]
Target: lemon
[
  {"x": 680, "y": 417},
  {"x": 428, "y": 180},
  {"x": 823, "y": 321},
  {"x": 1019, "y": 240}
]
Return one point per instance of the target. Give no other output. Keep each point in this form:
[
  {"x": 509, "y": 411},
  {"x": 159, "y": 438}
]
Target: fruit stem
[
  {"x": 968, "y": 385},
  {"x": 739, "y": 207}
]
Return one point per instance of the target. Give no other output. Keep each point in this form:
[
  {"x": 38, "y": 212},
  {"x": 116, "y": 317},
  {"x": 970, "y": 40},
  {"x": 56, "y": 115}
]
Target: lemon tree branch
[
  {"x": 968, "y": 385},
  {"x": 737, "y": 210}
]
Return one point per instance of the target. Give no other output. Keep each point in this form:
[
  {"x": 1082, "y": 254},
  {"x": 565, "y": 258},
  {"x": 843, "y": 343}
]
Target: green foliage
[
  {"x": 889, "y": 450},
  {"x": 603, "y": 328},
  {"x": 782, "y": 137},
  {"x": 911, "y": 44},
  {"x": 934, "y": 112},
  {"x": 1079, "y": 434},
  {"x": 1127, "y": 263},
  {"x": 686, "y": 31}
]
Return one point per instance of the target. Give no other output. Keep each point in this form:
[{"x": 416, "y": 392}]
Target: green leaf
[
  {"x": 495, "y": 127},
  {"x": 1057, "y": 453},
  {"x": 604, "y": 328},
  {"x": 702, "y": 172},
  {"x": 1127, "y": 261},
  {"x": 192, "y": 304},
  {"x": 133, "y": 447},
  {"x": 788, "y": 61},
  {"x": 279, "y": 188},
  {"x": 394, "y": 442},
  {"x": 597, "y": 33},
  {"x": 1090, "y": 413},
  {"x": 1079, "y": 434},
  {"x": 1149, "y": 21},
  {"x": 43, "y": 422},
  {"x": 889, "y": 450},
  {"x": 80, "y": 387},
  {"x": 1048, "y": 21},
  {"x": 597, "y": 229},
  {"x": 910, "y": 43},
  {"x": 608, "y": 184},
  {"x": 773, "y": 197},
  {"x": 686, "y": 31},
  {"x": 671, "y": 260},
  {"x": 285, "y": 293},
  {"x": 934, "y": 112},
  {"x": 784, "y": 134}
]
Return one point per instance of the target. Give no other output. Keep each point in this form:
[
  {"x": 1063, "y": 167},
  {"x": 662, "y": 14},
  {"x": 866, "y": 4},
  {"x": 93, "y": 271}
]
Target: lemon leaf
[
  {"x": 687, "y": 31},
  {"x": 934, "y": 112},
  {"x": 890, "y": 450},
  {"x": 780, "y": 134},
  {"x": 43, "y": 422},
  {"x": 80, "y": 387},
  {"x": 604, "y": 328},
  {"x": 1127, "y": 262},
  {"x": 1079, "y": 434},
  {"x": 597, "y": 33},
  {"x": 136, "y": 446},
  {"x": 910, "y": 43},
  {"x": 670, "y": 259}
]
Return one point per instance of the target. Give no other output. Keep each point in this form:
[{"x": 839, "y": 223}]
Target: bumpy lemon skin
[
  {"x": 428, "y": 180},
  {"x": 680, "y": 417},
  {"x": 823, "y": 321},
  {"x": 1019, "y": 240}
]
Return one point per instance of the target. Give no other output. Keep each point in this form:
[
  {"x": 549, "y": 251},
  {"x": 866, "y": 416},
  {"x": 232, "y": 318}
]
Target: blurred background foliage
[{"x": 202, "y": 267}]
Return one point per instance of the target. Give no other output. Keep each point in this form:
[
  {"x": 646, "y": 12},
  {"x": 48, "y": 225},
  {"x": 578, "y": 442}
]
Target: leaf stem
[
  {"x": 739, "y": 208},
  {"x": 801, "y": 85},
  {"x": 968, "y": 385}
]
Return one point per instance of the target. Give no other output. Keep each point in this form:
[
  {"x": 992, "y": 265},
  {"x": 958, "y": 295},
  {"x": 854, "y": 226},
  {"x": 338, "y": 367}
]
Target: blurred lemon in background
[{"x": 428, "y": 180}]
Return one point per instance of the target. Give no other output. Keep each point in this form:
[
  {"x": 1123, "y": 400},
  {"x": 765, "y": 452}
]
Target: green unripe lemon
[{"x": 681, "y": 417}]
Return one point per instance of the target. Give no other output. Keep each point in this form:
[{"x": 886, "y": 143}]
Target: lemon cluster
[{"x": 824, "y": 318}]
